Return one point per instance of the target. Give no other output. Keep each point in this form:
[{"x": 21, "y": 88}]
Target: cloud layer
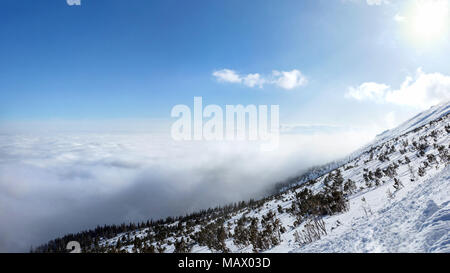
[
  {"x": 284, "y": 79},
  {"x": 53, "y": 184},
  {"x": 421, "y": 91}
]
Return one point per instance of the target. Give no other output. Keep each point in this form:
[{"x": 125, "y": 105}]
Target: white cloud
[
  {"x": 399, "y": 18},
  {"x": 289, "y": 79},
  {"x": 73, "y": 2},
  {"x": 376, "y": 2},
  {"x": 284, "y": 79},
  {"x": 48, "y": 182},
  {"x": 421, "y": 91},
  {"x": 369, "y": 2},
  {"x": 252, "y": 80},
  {"x": 368, "y": 91},
  {"x": 227, "y": 75}
]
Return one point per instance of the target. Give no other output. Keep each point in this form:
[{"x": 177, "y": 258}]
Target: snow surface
[{"x": 417, "y": 220}]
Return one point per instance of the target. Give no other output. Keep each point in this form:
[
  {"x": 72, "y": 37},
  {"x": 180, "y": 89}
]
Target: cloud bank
[
  {"x": 421, "y": 91},
  {"x": 283, "y": 79},
  {"x": 52, "y": 184}
]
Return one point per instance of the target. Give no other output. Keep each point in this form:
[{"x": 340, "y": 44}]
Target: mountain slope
[
  {"x": 392, "y": 196},
  {"x": 418, "y": 120},
  {"x": 433, "y": 113},
  {"x": 416, "y": 220}
]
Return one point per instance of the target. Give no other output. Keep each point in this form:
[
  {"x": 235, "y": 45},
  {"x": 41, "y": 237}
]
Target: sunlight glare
[{"x": 430, "y": 20}]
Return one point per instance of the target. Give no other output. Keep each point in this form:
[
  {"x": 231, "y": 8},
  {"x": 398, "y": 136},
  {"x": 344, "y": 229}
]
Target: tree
[
  {"x": 350, "y": 186},
  {"x": 182, "y": 247},
  {"x": 397, "y": 184},
  {"x": 412, "y": 175}
]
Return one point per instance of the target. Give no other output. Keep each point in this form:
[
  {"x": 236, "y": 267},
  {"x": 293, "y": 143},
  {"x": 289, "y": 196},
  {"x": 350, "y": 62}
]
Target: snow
[{"x": 417, "y": 220}]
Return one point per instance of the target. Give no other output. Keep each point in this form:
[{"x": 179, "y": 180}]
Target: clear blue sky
[{"x": 137, "y": 59}]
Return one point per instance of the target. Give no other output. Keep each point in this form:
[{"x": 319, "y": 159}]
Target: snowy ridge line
[
  {"x": 433, "y": 113},
  {"x": 419, "y": 120}
]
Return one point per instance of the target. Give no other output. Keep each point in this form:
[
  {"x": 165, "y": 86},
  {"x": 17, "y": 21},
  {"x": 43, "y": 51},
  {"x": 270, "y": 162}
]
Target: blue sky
[{"x": 137, "y": 59}]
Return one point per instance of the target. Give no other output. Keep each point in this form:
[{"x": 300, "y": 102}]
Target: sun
[{"x": 429, "y": 20}]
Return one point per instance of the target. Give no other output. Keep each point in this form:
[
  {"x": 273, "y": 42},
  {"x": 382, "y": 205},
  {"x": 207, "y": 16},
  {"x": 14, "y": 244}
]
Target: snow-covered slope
[
  {"x": 418, "y": 120},
  {"x": 417, "y": 219},
  {"x": 393, "y": 196}
]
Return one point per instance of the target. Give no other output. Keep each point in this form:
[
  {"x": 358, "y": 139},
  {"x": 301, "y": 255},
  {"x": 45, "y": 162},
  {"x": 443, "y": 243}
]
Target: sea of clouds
[{"x": 53, "y": 183}]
